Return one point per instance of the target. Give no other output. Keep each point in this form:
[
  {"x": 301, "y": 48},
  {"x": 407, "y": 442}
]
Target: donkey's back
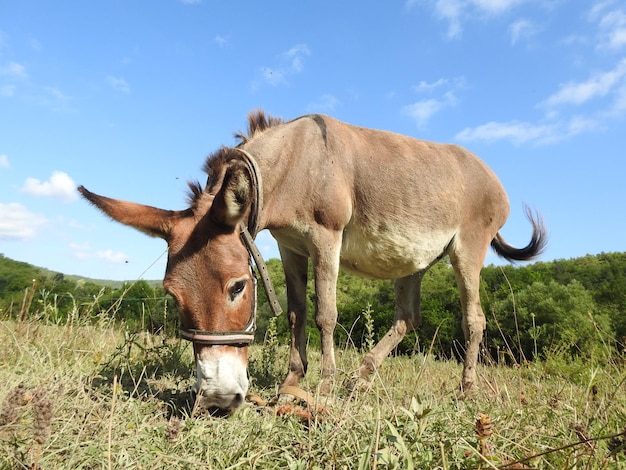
[{"x": 400, "y": 203}]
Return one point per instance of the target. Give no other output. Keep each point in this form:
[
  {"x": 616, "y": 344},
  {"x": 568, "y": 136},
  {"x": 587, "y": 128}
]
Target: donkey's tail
[{"x": 534, "y": 248}]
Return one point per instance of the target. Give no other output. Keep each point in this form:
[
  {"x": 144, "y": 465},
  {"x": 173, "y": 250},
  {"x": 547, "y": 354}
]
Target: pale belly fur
[{"x": 392, "y": 254}]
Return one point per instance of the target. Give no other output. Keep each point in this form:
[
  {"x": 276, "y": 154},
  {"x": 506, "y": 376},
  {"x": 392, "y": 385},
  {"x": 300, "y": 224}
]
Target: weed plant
[{"x": 75, "y": 395}]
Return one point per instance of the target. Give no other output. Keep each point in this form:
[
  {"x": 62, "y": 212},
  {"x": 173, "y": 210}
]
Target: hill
[{"x": 18, "y": 275}]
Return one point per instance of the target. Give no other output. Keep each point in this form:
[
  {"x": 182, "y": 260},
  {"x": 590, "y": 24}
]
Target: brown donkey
[{"x": 375, "y": 203}]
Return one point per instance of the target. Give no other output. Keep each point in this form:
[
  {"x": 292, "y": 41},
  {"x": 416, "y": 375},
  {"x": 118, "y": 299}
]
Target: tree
[{"x": 544, "y": 318}]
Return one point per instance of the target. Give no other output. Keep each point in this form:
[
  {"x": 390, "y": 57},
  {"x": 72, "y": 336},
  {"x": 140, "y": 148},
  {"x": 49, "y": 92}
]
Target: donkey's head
[{"x": 208, "y": 271}]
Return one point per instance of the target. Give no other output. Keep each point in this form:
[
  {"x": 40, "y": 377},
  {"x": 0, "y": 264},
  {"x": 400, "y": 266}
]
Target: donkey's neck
[{"x": 272, "y": 165}]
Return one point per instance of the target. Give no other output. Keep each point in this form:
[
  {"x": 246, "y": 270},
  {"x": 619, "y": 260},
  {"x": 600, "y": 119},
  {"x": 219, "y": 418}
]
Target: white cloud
[
  {"x": 118, "y": 84},
  {"x": 495, "y": 7},
  {"x": 456, "y": 11},
  {"x": 295, "y": 57},
  {"x": 611, "y": 22},
  {"x": 14, "y": 70},
  {"x": 273, "y": 77},
  {"x": 17, "y": 223},
  {"x": 424, "y": 86},
  {"x": 599, "y": 98},
  {"x": 575, "y": 40},
  {"x": 59, "y": 185},
  {"x": 598, "y": 85},
  {"x": 52, "y": 98},
  {"x": 524, "y": 132},
  {"x": 81, "y": 251},
  {"x": 80, "y": 246},
  {"x": 517, "y": 132},
  {"x": 579, "y": 124},
  {"x": 57, "y": 94},
  {"x": 451, "y": 11},
  {"x": 291, "y": 62},
  {"x": 619, "y": 104},
  {"x": 4, "y": 162},
  {"x": 618, "y": 39},
  {"x": 596, "y": 99},
  {"x": 7, "y": 90},
  {"x": 84, "y": 251},
  {"x": 35, "y": 45},
  {"x": 190, "y": 2},
  {"x": 221, "y": 41},
  {"x": 112, "y": 256},
  {"x": 324, "y": 104},
  {"x": 522, "y": 29},
  {"x": 421, "y": 111}
]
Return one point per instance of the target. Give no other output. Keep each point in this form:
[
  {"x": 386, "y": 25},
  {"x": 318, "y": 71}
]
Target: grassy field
[{"x": 78, "y": 396}]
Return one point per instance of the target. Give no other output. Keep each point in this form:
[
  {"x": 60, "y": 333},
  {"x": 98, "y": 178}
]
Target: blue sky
[{"x": 128, "y": 97}]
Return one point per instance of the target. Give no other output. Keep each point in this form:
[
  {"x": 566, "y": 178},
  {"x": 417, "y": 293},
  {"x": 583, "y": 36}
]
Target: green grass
[{"x": 78, "y": 396}]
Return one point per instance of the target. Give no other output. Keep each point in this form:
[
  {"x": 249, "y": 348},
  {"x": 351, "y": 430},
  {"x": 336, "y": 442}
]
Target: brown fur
[{"x": 375, "y": 203}]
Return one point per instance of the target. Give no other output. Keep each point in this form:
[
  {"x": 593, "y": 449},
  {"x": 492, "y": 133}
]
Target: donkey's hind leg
[
  {"x": 467, "y": 264},
  {"x": 407, "y": 317}
]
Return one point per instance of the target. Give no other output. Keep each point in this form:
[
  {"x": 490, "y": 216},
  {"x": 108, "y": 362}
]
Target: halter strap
[
  {"x": 262, "y": 270},
  {"x": 249, "y": 233},
  {"x": 257, "y": 185}
]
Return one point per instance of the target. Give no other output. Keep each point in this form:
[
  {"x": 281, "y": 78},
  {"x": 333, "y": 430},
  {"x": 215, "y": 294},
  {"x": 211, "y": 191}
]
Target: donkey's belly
[{"x": 392, "y": 254}]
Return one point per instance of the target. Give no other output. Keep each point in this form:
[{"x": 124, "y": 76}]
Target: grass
[{"x": 78, "y": 396}]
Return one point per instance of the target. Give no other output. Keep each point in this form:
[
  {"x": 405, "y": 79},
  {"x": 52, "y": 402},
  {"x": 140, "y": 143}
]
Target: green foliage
[
  {"x": 368, "y": 340},
  {"x": 551, "y": 317},
  {"x": 30, "y": 292},
  {"x": 441, "y": 310},
  {"x": 531, "y": 309},
  {"x": 264, "y": 368},
  {"x": 264, "y": 313}
]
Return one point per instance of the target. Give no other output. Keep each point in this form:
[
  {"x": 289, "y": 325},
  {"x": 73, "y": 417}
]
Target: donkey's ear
[
  {"x": 150, "y": 220},
  {"x": 233, "y": 198}
]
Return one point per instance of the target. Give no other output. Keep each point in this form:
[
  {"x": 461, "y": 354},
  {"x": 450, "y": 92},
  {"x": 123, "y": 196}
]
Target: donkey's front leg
[
  {"x": 325, "y": 259},
  {"x": 296, "y": 271}
]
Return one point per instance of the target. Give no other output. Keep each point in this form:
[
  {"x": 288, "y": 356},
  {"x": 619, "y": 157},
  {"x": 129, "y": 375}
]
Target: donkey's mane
[{"x": 258, "y": 122}]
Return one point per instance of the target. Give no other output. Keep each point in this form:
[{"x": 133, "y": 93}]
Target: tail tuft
[{"x": 535, "y": 247}]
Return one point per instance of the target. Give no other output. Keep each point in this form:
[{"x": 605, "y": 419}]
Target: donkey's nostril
[{"x": 237, "y": 401}]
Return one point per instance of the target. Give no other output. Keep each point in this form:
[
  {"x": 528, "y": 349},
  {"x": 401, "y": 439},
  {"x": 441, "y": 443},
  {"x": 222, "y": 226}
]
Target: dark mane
[
  {"x": 215, "y": 167},
  {"x": 194, "y": 192},
  {"x": 214, "y": 164},
  {"x": 258, "y": 121}
]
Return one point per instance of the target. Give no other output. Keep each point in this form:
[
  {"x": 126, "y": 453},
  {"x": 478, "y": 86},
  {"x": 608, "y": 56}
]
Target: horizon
[{"x": 515, "y": 265}]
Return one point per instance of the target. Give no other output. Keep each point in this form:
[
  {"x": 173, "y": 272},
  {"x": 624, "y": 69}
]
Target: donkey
[{"x": 375, "y": 203}]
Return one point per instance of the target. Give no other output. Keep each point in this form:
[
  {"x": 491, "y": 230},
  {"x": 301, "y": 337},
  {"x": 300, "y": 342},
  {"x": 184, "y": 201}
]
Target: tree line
[{"x": 575, "y": 306}]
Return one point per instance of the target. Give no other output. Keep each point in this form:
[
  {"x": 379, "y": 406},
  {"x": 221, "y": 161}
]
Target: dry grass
[{"x": 84, "y": 397}]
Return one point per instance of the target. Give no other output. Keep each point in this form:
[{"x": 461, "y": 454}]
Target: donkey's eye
[{"x": 237, "y": 289}]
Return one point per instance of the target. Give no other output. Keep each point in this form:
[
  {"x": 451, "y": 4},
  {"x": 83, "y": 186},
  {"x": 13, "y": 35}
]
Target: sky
[{"x": 128, "y": 97}]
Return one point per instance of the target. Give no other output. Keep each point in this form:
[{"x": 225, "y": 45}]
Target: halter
[{"x": 245, "y": 336}]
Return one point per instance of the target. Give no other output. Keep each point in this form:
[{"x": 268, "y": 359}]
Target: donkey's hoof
[
  {"x": 326, "y": 386},
  {"x": 356, "y": 383},
  {"x": 467, "y": 390}
]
